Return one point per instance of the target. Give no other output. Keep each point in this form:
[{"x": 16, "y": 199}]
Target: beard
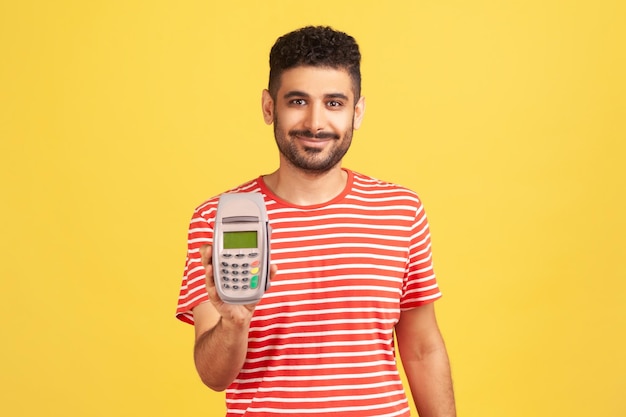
[{"x": 310, "y": 159}]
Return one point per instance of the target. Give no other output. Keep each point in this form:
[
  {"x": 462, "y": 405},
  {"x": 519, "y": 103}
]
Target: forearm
[
  {"x": 219, "y": 353},
  {"x": 430, "y": 382}
]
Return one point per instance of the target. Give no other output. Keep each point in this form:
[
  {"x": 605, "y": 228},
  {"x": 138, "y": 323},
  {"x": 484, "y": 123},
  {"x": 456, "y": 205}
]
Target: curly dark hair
[{"x": 319, "y": 46}]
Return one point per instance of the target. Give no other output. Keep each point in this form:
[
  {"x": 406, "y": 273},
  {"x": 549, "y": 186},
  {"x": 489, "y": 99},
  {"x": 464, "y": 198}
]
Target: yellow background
[{"x": 117, "y": 118}]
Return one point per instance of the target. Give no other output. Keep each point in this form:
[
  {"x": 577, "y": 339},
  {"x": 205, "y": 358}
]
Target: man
[{"x": 351, "y": 265}]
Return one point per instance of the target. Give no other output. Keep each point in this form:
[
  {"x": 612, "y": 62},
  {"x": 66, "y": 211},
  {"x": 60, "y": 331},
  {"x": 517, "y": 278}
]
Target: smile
[
  {"x": 308, "y": 135},
  {"x": 311, "y": 142}
]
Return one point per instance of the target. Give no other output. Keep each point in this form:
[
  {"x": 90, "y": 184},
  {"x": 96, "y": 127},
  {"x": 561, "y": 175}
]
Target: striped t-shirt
[{"x": 321, "y": 339}]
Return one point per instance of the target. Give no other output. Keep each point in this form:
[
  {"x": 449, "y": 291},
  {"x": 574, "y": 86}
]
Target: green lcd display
[{"x": 240, "y": 240}]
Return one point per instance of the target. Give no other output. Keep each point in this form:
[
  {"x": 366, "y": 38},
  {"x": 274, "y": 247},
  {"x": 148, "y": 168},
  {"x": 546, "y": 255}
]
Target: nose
[{"x": 315, "y": 120}]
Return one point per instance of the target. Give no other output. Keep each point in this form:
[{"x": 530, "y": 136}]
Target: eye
[
  {"x": 298, "y": 102},
  {"x": 334, "y": 103}
]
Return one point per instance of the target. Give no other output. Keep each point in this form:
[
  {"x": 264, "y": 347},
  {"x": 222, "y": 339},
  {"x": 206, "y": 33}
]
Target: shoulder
[{"x": 369, "y": 186}]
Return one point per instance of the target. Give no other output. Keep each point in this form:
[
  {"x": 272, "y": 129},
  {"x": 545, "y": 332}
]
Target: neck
[{"x": 305, "y": 188}]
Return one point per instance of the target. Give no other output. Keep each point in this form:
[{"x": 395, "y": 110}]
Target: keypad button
[{"x": 243, "y": 273}]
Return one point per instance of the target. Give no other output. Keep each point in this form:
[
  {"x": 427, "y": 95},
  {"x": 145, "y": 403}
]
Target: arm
[
  {"x": 221, "y": 332},
  {"x": 425, "y": 361},
  {"x": 220, "y": 346}
]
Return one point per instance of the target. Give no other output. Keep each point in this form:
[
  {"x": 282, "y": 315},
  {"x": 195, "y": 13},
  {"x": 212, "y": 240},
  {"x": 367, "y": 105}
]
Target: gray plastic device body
[{"x": 241, "y": 242}]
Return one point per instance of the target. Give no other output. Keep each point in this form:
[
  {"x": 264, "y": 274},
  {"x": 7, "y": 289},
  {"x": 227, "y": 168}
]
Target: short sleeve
[
  {"x": 420, "y": 284},
  {"x": 193, "y": 288}
]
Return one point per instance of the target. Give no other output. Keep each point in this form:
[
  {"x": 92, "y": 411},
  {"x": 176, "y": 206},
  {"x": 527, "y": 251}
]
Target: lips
[
  {"x": 307, "y": 134},
  {"x": 312, "y": 143}
]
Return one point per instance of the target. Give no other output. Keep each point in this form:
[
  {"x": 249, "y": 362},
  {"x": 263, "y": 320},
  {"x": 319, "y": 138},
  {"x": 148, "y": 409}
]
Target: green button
[{"x": 254, "y": 282}]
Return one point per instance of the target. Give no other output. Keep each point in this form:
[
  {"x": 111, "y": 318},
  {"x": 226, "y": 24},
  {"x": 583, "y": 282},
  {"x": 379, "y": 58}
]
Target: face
[{"x": 314, "y": 115}]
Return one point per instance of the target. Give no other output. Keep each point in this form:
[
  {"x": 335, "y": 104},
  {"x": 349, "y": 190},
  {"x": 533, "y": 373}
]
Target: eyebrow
[{"x": 296, "y": 93}]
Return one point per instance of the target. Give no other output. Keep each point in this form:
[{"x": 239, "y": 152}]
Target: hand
[{"x": 231, "y": 313}]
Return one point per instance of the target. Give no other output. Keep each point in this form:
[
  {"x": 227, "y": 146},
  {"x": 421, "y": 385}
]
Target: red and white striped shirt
[{"x": 321, "y": 339}]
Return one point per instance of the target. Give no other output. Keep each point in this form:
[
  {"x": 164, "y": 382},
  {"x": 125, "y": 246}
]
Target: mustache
[{"x": 311, "y": 135}]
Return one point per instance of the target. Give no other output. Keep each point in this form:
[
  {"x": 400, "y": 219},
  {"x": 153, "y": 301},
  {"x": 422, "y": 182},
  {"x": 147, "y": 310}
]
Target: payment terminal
[{"x": 241, "y": 256}]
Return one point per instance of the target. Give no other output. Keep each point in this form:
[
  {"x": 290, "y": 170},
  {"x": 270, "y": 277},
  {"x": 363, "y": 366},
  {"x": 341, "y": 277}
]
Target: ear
[
  {"x": 359, "y": 112},
  {"x": 267, "y": 105}
]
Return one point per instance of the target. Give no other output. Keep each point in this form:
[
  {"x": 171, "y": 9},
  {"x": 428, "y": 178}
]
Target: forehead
[{"x": 316, "y": 81}]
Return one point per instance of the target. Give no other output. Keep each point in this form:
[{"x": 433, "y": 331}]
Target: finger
[
  {"x": 206, "y": 255},
  {"x": 273, "y": 271},
  {"x": 212, "y": 292},
  {"x": 209, "y": 282},
  {"x": 208, "y": 274}
]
